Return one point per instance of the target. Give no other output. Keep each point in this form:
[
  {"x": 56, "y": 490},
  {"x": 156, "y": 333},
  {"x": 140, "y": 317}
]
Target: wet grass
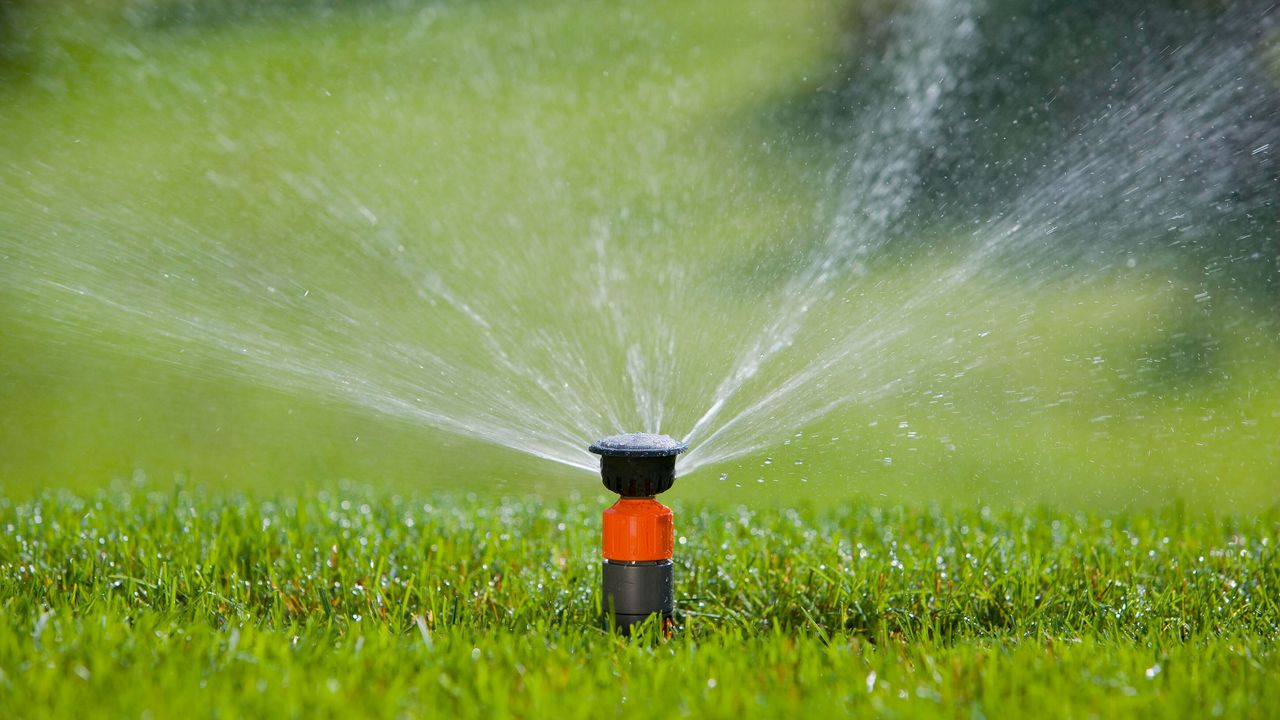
[{"x": 139, "y": 602}]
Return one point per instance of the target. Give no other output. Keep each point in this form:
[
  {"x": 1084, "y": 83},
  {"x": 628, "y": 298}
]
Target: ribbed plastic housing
[{"x": 638, "y": 530}]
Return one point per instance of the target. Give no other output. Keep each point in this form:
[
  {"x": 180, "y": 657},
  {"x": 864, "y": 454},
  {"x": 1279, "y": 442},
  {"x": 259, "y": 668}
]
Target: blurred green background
[{"x": 184, "y": 114}]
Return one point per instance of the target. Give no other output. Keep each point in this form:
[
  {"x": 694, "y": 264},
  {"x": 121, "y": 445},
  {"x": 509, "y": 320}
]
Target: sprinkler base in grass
[{"x": 639, "y": 532}]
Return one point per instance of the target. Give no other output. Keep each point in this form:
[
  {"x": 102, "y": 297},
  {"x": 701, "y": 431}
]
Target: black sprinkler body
[
  {"x": 638, "y": 464},
  {"x": 639, "y": 532}
]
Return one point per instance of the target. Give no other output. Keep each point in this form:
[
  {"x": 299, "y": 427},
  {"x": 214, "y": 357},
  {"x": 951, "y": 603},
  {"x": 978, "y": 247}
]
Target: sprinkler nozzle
[
  {"x": 638, "y": 464},
  {"x": 639, "y": 532}
]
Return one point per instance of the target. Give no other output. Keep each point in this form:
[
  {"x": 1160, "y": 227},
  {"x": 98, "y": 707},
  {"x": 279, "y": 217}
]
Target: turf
[{"x": 137, "y": 602}]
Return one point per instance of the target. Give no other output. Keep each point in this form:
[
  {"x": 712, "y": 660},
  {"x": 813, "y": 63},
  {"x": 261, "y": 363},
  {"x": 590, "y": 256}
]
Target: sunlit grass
[{"x": 349, "y": 601}]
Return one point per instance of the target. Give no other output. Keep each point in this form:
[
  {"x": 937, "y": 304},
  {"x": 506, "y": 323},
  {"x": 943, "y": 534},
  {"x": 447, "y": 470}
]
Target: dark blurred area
[
  {"x": 26, "y": 23},
  {"x": 1042, "y": 73},
  {"x": 206, "y": 13},
  {"x": 14, "y": 39},
  {"x": 1045, "y": 72}
]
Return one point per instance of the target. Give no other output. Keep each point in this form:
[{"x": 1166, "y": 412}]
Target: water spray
[{"x": 639, "y": 533}]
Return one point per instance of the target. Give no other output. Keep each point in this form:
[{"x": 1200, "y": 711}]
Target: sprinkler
[{"x": 638, "y": 532}]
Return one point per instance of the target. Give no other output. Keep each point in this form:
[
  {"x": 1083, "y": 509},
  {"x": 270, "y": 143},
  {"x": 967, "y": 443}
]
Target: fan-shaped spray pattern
[{"x": 551, "y": 312}]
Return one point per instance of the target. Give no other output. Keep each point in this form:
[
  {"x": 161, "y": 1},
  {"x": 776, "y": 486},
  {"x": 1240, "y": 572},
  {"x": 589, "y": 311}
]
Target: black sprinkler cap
[
  {"x": 643, "y": 445},
  {"x": 638, "y": 464}
]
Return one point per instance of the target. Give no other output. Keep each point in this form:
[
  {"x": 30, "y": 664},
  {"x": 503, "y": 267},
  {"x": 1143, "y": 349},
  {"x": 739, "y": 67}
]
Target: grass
[{"x": 143, "y": 602}]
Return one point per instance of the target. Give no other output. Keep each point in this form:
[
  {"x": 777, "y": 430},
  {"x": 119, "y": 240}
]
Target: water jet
[{"x": 638, "y": 535}]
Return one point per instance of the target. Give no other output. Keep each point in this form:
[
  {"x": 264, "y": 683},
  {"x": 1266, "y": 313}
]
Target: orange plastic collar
[{"x": 638, "y": 530}]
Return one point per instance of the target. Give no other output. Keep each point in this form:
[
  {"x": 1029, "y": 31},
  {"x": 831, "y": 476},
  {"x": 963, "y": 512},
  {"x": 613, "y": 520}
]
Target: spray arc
[{"x": 639, "y": 531}]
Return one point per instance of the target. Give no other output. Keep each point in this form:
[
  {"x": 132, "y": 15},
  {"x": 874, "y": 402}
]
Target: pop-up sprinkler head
[{"x": 639, "y": 534}]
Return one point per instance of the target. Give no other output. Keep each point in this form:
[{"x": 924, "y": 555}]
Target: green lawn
[{"x": 146, "y": 602}]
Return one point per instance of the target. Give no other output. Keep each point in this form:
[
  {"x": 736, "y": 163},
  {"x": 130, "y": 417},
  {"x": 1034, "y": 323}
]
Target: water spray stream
[
  {"x": 929, "y": 47},
  {"x": 1161, "y": 163},
  {"x": 548, "y": 302}
]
